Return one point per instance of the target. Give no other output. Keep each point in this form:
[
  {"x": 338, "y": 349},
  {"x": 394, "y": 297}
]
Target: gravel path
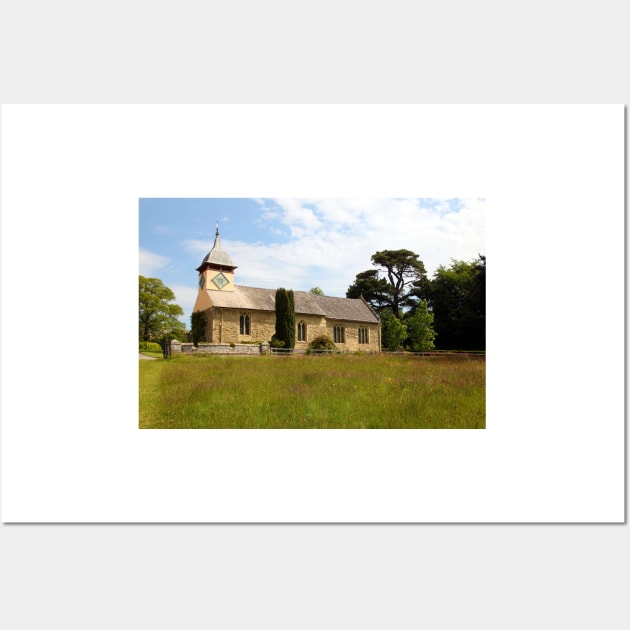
[{"x": 143, "y": 356}]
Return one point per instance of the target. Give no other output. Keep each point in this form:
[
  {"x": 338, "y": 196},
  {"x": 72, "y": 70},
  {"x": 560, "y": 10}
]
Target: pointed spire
[
  {"x": 217, "y": 256},
  {"x": 217, "y": 239}
]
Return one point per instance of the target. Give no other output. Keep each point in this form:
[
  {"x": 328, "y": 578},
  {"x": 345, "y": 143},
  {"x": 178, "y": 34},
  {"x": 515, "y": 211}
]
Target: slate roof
[
  {"x": 343, "y": 308},
  {"x": 252, "y": 298},
  {"x": 217, "y": 255}
]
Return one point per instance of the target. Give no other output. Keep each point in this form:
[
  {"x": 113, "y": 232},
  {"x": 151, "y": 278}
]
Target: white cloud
[
  {"x": 196, "y": 246},
  {"x": 345, "y": 233},
  {"x": 150, "y": 262},
  {"x": 332, "y": 240},
  {"x": 185, "y": 296}
]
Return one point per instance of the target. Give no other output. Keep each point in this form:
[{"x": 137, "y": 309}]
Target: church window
[
  {"x": 301, "y": 331},
  {"x": 244, "y": 325},
  {"x": 339, "y": 334},
  {"x": 364, "y": 336}
]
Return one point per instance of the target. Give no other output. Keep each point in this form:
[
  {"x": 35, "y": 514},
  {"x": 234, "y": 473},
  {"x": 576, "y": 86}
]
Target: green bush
[
  {"x": 323, "y": 342},
  {"x": 394, "y": 332},
  {"x": 277, "y": 343},
  {"x": 150, "y": 346},
  {"x": 198, "y": 327}
]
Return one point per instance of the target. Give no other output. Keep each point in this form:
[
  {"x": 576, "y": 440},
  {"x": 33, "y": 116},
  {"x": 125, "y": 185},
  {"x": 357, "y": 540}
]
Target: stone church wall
[
  {"x": 351, "y": 334},
  {"x": 223, "y": 327}
]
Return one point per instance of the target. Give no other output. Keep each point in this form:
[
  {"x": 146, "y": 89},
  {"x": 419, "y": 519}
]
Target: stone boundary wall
[{"x": 219, "y": 348}]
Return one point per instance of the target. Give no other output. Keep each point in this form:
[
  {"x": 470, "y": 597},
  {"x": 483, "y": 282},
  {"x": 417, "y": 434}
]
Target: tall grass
[{"x": 307, "y": 392}]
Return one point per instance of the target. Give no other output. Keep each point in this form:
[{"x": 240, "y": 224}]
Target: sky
[{"x": 301, "y": 243}]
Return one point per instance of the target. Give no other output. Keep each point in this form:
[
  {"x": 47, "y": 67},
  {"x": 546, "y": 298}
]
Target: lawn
[{"x": 313, "y": 392}]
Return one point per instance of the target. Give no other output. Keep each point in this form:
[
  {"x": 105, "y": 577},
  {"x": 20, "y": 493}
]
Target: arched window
[
  {"x": 301, "y": 331},
  {"x": 244, "y": 325},
  {"x": 364, "y": 336},
  {"x": 339, "y": 334}
]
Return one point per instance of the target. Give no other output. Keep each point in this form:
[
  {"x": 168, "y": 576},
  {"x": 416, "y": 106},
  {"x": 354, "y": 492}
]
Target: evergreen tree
[
  {"x": 285, "y": 317},
  {"x": 290, "y": 319},
  {"x": 397, "y": 283}
]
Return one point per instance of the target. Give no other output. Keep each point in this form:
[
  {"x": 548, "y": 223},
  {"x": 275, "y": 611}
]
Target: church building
[{"x": 239, "y": 314}]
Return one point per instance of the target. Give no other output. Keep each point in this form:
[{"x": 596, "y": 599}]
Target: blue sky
[{"x": 301, "y": 243}]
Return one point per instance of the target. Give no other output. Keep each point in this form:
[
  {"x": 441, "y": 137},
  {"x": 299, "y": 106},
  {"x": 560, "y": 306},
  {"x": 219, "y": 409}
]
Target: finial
[{"x": 217, "y": 234}]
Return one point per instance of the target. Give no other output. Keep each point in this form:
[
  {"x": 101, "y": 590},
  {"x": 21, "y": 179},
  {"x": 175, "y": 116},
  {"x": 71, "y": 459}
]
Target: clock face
[
  {"x": 220, "y": 280},
  {"x": 202, "y": 281}
]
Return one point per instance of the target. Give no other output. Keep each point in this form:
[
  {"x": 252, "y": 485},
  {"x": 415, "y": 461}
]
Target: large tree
[
  {"x": 157, "y": 316},
  {"x": 398, "y": 281},
  {"x": 458, "y": 301}
]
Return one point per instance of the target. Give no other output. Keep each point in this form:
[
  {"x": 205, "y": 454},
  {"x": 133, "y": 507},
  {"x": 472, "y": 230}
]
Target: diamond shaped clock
[{"x": 220, "y": 280}]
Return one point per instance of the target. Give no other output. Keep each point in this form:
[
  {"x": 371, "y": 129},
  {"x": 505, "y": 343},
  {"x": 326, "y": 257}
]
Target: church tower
[{"x": 216, "y": 272}]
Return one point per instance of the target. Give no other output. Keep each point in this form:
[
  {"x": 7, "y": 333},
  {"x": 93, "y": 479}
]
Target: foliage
[
  {"x": 399, "y": 280},
  {"x": 285, "y": 317},
  {"x": 372, "y": 287},
  {"x": 179, "y": 334},
  {"x": 150, "y": 346},
  {"x": 277, "y": 343},
  {"x": 303, "y": 392},
  {"x": 458, "y": 300},
  {"x": 157, "y": 315},
  {"x": 394, "y": 332},
  {"x": 316, "y": 291},
  {"x": 322, "y": 342},
  {"x": 198, "y": 327},
  {"x": 420, "y": 332}
]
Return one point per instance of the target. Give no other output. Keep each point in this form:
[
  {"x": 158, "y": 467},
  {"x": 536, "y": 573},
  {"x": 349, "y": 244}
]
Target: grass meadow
[{"x": 313, "y": 392}]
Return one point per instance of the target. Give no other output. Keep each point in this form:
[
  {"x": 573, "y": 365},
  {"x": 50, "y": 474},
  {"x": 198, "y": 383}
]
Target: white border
[{"x": 553, "y": 178}]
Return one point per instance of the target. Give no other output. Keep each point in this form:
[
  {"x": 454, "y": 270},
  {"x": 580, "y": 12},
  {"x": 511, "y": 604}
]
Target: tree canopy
[
  {"x": 448, "y": 311},
  {"x": 398, "y": 281},
  {"x": 457, "y": 297},
  {"x": 157, "y": 316}
]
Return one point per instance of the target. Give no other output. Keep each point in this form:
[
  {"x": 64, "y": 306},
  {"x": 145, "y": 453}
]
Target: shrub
[
  {"x": 198, "y": 327},
  {"x": 323, "y": 342},
  {"x": 394, "y": 332},
  {"x": 276, "y": 343},
  {"x": 150, "y": 346},
  {"x": 420, "y": 332}
]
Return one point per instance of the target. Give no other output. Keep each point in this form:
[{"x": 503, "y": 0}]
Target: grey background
[{"x": 288, "y": 576}]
